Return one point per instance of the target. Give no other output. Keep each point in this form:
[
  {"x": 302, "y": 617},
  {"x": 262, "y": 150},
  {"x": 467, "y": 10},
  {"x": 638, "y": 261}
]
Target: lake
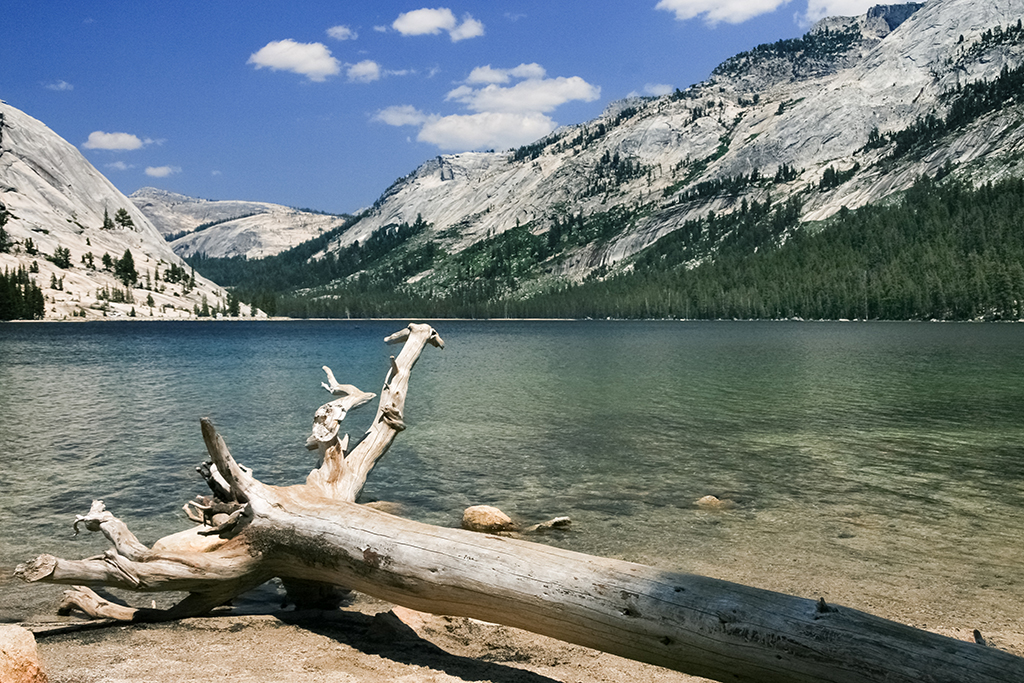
[{"x": 877, "y": 465}]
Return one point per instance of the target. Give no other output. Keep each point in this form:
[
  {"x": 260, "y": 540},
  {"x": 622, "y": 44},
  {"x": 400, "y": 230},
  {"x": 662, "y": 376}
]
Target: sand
[{"x": 366, "y": 640}]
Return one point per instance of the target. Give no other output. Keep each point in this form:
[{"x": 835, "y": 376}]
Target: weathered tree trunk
[{"x": 251, "y": 532}]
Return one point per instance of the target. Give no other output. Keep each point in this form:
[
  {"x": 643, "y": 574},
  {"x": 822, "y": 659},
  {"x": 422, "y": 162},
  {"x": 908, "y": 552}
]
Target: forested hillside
[
  {"x": 945, "y": 252},
  {"x": 942, "y": 251}
]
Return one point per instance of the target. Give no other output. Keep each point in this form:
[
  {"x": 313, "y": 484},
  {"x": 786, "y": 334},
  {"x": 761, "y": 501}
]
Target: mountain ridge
[
  {"x": 716, "y": 130},
  {"x": 226, "y": 228}
]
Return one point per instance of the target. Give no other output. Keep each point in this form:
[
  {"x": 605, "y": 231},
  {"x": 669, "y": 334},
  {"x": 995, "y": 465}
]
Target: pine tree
[
  {"x": 61, "y": 257},
  {"x": 124, "y": 269},
  {"x": 233, "y": 304},
  {"x": 5, "y": 239},
  {"x": 124, "y": 219}
]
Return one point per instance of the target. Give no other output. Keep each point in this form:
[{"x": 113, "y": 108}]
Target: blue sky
[{"x": 324, "y": 104}]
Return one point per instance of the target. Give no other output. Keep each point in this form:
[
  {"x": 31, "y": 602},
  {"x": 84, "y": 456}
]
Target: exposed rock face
[
  {"x": 57, "y": 199},
  {"x": 807, "y": 105},
  {"x": 893, "y": 15},
  {"x": 225, "y": 228},
  {"x": 19, "y": 660}
]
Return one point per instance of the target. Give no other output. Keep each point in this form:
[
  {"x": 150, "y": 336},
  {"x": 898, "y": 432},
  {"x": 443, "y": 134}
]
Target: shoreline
[
  {"x": 267, "y": 319},
  {"x": 365, "y": 641}
]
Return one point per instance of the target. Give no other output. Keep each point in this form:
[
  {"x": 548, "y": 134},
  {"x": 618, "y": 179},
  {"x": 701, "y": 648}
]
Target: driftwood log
[{"x": 250, "y": 532}]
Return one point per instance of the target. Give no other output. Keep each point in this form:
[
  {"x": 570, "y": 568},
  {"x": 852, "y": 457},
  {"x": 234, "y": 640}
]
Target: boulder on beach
[{"x": 19, "y": 659}]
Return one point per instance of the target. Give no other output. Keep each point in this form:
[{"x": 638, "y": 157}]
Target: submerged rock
[
  {"x": 556, "y": 523},
  {"x": 714, "y": 503}
]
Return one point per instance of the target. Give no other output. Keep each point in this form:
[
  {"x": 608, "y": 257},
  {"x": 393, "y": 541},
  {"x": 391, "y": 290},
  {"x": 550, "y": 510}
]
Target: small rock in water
[
  {"x": 714, "y": 503},
  {"x": 486, "y": 518},
  {"x": 388, "y": 506},
  {"x": 556, "y": 523}
]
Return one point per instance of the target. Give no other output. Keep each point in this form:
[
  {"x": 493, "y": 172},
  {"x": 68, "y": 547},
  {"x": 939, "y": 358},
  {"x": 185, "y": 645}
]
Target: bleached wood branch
[
  {"x": 116, "y": 531},
  {"x": 389, "y": 420},
  {"x": 238, "y": 479}
]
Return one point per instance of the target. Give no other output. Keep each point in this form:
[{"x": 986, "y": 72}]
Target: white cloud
[
  {"x": 469, "y": 28},
  {"x": 401, "y": 115},
  {"x": 312, "y": 60},
  {"x": 100, "y": 140},
  {"x": 715, "y": 11},
  {"x": 488, "y": 74},
  {"x": 380, "y": 29},
  {"x": 342, "y": 33},
  {"x": 502, "y": 116},
  {"x": 652, "y": 90},
  {"x": 487, "y": 130},
  {"x": 365, "y": 71},
  {"x": 119, "y": 166},
  {"x": 531, "y": 95},
  {"x": 423, "y": 22},
  {"x": 819, "y": 9},
  {"x": 59, "y": 86},
  {"x": 657, "y": 89},
  {"x": 161, "y": 171}
]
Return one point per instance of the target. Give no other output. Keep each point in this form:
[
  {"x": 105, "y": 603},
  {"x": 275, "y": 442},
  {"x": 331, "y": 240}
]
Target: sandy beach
[{"x": 366, "y": 640}]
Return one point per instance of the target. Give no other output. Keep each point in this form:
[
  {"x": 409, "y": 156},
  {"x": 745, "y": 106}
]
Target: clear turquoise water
[{"x": 878, "y": 465}]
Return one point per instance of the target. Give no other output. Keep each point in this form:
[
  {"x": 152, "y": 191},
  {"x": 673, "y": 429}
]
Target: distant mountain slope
[
  {"x": 225, "y": 228},
  {"x": 829, "y": 118},
  {"x": 55, "y": 203}
]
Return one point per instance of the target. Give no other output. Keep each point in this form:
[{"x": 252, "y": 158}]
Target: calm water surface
[{"x": 878, "y": 465}]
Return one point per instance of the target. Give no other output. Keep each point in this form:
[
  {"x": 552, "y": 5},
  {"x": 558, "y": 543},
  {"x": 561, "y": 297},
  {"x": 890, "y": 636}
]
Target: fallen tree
[{"x": 249, "y": 532}]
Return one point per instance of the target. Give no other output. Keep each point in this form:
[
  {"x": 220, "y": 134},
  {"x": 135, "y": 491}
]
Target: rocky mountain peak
[
  {"x": 813, "y": 118},
  {"x": 893, "y": 15}
]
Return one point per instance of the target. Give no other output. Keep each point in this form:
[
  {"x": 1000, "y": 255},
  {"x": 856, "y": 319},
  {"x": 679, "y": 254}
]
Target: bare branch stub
[{"x": 116, "y": 531}]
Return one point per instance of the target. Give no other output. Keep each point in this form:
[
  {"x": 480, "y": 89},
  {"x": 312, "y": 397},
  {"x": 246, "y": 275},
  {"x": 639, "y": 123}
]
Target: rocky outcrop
[
  {"x": 57, "y": 200},
  {"x": 893, "y": 15}
]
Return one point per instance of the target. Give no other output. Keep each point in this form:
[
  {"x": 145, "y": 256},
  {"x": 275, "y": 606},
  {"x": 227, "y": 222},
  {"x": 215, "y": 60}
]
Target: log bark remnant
[{"x": 249, "y": 532}]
